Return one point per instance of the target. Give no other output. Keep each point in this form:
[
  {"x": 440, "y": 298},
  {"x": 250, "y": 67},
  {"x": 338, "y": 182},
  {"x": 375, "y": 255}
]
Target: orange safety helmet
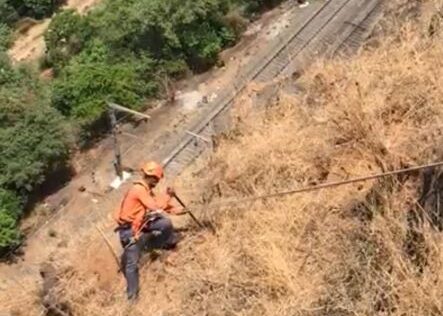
[{"x": 153, "y": 168}]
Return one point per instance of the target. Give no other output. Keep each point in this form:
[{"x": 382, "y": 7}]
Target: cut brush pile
[{"x": 361, "y": 249}]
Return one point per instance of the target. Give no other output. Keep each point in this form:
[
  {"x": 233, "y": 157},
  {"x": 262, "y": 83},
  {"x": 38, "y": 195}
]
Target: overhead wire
[{"x": 323, "y": 185}]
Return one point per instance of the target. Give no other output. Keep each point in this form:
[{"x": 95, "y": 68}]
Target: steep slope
[{"x": 353, "y": 250}]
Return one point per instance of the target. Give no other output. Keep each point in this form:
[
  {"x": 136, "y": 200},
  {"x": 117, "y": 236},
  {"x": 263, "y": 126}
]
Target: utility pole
[
  {"x": 112, "y": 110},
  {"x": 117, "y": 162}
]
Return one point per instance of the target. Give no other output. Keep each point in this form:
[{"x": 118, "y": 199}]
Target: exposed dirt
[{"x": 29, "y": 45}]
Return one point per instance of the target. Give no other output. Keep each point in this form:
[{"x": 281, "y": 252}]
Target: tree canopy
[
  {"x": 12, "y": 10},
  {"x": 10, "y": 210},
  {"x": 33, "y": 142},
  {"x": 120, "y": 50}
]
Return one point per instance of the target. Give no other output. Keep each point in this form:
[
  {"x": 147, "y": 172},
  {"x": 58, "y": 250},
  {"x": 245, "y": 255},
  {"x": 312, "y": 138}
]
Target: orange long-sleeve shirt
[{"x": 139, "y": 200}]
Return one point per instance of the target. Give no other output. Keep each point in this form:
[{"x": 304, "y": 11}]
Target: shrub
[
  {"x": 8, "y": 14},
  {"x": 168, "y": 30},
  {"x": 7, "y": 73},
  {"x": 158, "y": 39},
  {"x": 89, "y": 81},
  {"x": 10, "y": 210},
  {"x": 41, "y": 8},
  {"x": 11, "y": 203},
  {"x": 9, "y": 233},
  {"x": 32, "y": 134},
  {"x": 33, "y": 141},
  {"x": 66, "y": 36},
  {"x": 5, "y": 37}
]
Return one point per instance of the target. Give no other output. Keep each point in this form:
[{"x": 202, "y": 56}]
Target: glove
[{"x": 170, "y": 191}]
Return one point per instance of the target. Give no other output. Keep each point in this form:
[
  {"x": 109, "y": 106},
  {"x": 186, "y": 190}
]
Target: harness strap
[{"x": 126, "y": 225}]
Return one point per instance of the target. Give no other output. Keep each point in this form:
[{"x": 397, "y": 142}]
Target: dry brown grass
[{"x": 332, "y": 252}]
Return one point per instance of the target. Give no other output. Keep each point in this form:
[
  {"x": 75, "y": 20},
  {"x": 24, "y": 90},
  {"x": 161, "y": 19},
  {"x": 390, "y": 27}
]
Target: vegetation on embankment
[
  {"x": 11, "y": 11},
  {"x": 127, "y": 51},
  {"x": 33, "y": 141},
  {"x": 122, "y": 51},
  {"x": 359, "y": 249}
]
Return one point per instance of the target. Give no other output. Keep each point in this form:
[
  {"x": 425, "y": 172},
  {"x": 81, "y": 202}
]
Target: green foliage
[
  {"x": 90, "y": 79},
  {"x": 10, "y": 210},
  {"x": 83, "y": 88},
  {"x": 13, "y": 10},
  {"x": 156, "y": 38},
  {"x": 8, "y": 14},
  {"x": 7, "y": 73},
  {"x": 124, "y": 48},
  {"x": 36, "y": 8},
  {"x": 32, "y": 134},
  {"x": 10, "y": 203},
  {"x": 41, "y": 8},
  {"x": 257, "y": 5},
  {"x": 5, "y": 37},
  {"x": 66, "y": 36},
  {"x": 33, "y": 141},
  {"x": 187, "y": 30},
  {"x": 9, "y": 233}
]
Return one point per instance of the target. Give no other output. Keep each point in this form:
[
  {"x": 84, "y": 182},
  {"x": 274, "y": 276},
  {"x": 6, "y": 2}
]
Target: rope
[{"x": 325, "y": 185}]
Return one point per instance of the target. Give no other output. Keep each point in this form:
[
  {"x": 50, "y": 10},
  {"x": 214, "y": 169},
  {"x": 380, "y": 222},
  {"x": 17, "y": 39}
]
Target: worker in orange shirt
[{"x": 142, "y": 223}]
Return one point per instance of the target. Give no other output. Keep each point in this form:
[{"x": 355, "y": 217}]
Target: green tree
[
  {"x": 5, "y": 37},
  {"x": 12, "y": 10},
  {"x": 92, "y": 78},
  {"x": 8, "y": 14},
  {"x": 10, "y": 210},
  {"x": 36, "y": 8},
  {"x": 8, "y": 74},
  {"x": 9, "y": 233},
  {"x": 11, "y": 203},
  {"x": 66, "y": 36},
  {"x": 190, "y": 30},
  {"x": 123, "y": 49},
  {"x": 33, "y": 141},
  {"x": 33, "y": 137}
]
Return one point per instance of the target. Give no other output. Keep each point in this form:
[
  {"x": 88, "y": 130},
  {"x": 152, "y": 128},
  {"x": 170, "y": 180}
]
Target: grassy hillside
[{"x": 363, "y": 249}]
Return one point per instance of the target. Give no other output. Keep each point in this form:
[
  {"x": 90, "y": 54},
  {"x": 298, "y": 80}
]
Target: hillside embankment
[{"x": 371, "y": 248}]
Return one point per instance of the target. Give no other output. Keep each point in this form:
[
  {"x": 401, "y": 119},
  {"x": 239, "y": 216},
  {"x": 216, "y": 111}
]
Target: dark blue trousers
[{"x": 158, "y": 235}]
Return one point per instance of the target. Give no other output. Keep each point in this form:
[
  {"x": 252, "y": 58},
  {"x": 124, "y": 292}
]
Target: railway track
[{"x": 327, "y": 29}]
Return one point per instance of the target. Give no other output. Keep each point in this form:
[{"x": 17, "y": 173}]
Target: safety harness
[{"x": 149, "y": 217}]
